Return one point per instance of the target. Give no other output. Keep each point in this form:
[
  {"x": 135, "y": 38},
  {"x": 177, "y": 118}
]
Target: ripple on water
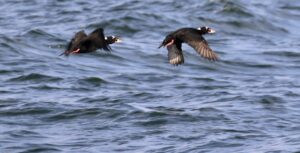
[
  {"x": 35, "y": 77},
  {"x": 26, "y": 111},
  {"x": 92, "y": 81},
  {"x": 24, "y": 134},
  {"x": 83, "y": 113},
  {"x": 35, "y": 148},
  {"x": 235, "y": 9},
  {"x": 283, "y": 53}
]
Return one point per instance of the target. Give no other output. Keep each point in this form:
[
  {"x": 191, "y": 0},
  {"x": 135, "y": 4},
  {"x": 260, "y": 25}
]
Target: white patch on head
[
  {"x": 200, "y": 28},
  {"x": 105, "y": 38},
  {"x": 113, "y": 37}
]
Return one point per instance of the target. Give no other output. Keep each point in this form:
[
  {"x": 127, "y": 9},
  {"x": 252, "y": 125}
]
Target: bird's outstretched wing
[
  {"x": 200, "y": 45},
  {"x": 175, "y": 54},
  {"x": 79, "y": 36},
  {"x": 75, "y": 41},
  {"x": 99, "y": 39}
]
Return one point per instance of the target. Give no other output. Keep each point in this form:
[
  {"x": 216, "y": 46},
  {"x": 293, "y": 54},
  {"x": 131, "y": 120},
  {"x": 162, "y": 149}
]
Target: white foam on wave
[{"x": 142, "y": 108}]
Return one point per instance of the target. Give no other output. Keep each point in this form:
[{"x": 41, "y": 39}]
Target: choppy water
[{"x": 132, "y": 100}]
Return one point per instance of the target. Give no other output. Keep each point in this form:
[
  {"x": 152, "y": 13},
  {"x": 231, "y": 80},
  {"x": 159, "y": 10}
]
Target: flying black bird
[
  {"x": 192, "y": 37},
  {"x": 83, "y": 43}
]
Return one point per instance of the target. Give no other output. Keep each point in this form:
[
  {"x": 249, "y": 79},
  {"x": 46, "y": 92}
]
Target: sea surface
[{"x": 132, "y": 100}]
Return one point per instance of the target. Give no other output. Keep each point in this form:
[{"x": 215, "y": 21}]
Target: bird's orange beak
[{"x": 211, "y": 30}]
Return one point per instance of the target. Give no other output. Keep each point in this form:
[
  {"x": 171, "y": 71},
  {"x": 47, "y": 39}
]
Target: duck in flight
[
  {"x": 83, "y": 43},
  {"x": 191, "y": 36}
]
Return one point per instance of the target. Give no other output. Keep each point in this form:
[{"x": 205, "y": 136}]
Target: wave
[{"x": 35, "y": 77}]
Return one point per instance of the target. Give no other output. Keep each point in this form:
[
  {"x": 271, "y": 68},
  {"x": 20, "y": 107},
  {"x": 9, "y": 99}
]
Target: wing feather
[
  {"x": 200, "y": 45},
  {"x": 98, "y": 36},
  {"x": 175, "y": 55},
  {"x": 75, "y": 41}
]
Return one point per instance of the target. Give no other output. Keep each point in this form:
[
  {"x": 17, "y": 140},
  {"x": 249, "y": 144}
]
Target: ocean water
[{"x": 131, "y": 100}]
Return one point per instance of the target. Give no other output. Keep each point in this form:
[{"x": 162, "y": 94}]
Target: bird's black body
[
  {"x": 192, "y": 37},
  {"x": 83, "y": 43}
]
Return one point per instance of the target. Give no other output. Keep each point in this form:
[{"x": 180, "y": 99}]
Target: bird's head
[
  {"x": 206, "y": 30},
  {"x": 169, "y": 40},
  {"x": 113, "y": 39}
]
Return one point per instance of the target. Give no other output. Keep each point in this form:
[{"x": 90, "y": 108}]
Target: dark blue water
[{"x": 131, "y": 100}]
